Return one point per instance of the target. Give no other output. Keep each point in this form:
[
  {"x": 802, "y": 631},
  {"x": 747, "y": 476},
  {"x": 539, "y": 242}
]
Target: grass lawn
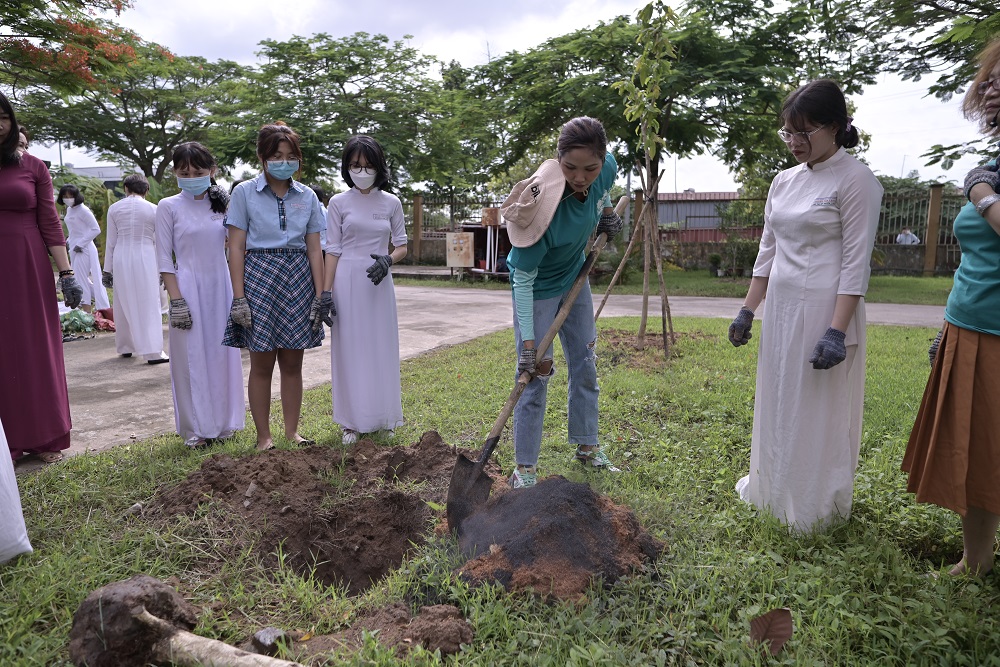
[
  {"x": 915, "y": 290},
  {"x": 858, "y": 591}
]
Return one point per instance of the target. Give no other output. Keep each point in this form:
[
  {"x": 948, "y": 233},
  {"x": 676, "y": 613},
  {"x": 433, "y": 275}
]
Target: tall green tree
[
  {"x": 140, "y": 114},
  {"x": 62, "y": 44}
]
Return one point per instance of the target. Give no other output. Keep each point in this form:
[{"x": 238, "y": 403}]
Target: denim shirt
[{"x": 254, "y": 208}]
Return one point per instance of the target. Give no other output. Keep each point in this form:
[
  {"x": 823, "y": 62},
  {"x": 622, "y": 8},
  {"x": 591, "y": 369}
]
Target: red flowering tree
[{"x": 65, "y": 45}]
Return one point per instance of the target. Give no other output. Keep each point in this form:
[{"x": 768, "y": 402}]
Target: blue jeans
[{"x": 578, "y": 336}]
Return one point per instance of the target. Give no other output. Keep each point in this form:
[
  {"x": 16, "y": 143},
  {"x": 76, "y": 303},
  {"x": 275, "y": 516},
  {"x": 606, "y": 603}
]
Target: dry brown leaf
[{"x": 774, "y": 627}]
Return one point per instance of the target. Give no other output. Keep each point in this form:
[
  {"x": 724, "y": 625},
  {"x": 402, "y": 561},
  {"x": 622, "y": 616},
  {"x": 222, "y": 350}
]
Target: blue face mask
[
  {"x": 196, "y": 185},
  {"x": 282, "y": 169}
]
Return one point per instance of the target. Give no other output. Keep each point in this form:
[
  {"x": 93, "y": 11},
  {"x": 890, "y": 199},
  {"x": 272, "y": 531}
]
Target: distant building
[
  {"x": 110, "y": 175},
  {"x": 691, "y": 216}
]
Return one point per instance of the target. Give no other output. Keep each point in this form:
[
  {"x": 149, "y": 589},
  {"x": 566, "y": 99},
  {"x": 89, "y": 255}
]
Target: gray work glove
[
  {"x": 610, "y": 224},
  {"x": 180, "y": 314},
  {"x": 933, "y": 349},
  {"x": 830, "y": 350},
  {"x": 526, "y": 361},
  {"x": 319, "y": 311},
  {"x": 739, "y": 330},
  {"x": 71, "y": 290},
  {"x": 984, "y": 174},
  {"x": 380, "y": 269},
  {"x": 239, "y": 313},
  {"x": 108, "y": 280},
  {"x": 77, "y": 248}
]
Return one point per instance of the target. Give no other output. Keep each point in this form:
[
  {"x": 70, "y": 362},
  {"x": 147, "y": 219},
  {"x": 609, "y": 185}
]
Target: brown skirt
[{"x": 953, "y": 455}]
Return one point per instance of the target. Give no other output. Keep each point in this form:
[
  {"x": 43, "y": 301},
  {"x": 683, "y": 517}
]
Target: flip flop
[
  {"x": 305, "y": 442},
  {"x": 268, "y": 448},
  {"x": 50, "y": 457}
]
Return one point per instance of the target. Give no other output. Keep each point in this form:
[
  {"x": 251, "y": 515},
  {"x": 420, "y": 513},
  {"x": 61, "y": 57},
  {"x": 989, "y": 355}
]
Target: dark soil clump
[
  {"x": 104, "y": 632},
  {"x": 555, "y": 539}
]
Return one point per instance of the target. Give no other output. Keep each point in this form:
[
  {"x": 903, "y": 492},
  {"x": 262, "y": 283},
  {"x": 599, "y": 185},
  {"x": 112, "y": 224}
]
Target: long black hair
[
  {"x": 192, "y": 154},
  {"x": 8, "y": 148},
  {"x": 373, "y": 153}
]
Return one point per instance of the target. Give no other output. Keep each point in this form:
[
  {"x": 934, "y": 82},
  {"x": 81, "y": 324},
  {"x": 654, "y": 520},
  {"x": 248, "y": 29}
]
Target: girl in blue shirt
[
  {"x": 550, "y": 217},
  {"x": 276, "y": 266}
]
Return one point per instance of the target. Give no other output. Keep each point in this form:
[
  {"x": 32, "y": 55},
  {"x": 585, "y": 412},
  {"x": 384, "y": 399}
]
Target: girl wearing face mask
[
  {"x": 276, "y": 266},
  {"x": 83, "y": 229},
  {"x": 206, "y": 376},
  {"x": 364, "y": 224},
  {"x": 814, "y": 263}
]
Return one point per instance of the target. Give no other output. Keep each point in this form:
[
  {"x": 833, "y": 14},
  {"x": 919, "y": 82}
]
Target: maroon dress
[{"x": 34, "y": 401}]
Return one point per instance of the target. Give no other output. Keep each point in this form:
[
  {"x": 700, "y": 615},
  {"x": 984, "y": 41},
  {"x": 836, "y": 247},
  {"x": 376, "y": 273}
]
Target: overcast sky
[{"x": 901, "y": 119}]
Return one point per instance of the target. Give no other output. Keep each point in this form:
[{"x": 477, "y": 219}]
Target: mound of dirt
[
  {"x": 554, "y": 539},
  {"x": 439, "y": 627},
  {"x": 347, "y": 515},
  {"x": 105, "y": 632}
]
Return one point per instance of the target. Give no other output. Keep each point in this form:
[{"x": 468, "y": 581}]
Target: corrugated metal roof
[{"x": 698, "y": 196}]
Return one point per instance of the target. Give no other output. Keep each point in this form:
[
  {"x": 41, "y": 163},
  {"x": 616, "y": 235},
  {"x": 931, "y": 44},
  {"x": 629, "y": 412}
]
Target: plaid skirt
[
  {"x": 953, "y": 455},
  {"x": 279, "y": 288}
]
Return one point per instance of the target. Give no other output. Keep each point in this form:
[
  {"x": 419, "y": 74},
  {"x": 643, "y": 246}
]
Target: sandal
[
  {"x": 304, "y": 442},
  {"x": 266, "y": 448},
  {"x": 50, "y": 457}
]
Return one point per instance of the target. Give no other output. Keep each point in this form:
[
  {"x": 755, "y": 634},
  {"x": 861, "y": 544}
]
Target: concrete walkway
[{"x": 115, "y": 400}]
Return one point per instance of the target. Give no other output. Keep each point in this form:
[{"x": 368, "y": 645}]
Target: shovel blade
[{"x": 468, "y": 491}]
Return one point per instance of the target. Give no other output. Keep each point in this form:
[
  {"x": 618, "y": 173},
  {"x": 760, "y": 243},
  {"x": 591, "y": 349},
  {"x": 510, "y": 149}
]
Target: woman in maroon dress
[{"x": 34, "y": 403}]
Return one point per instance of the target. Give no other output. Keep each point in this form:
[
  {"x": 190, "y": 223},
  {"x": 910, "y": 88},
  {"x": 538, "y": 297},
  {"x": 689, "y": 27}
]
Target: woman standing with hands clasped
[
  {"x": 362, "y": 224},
  {"x": 83, "y": 229},
  {"x": 813, "y": 265},
  {"x": 550, "y": 218},
  {"x": 276, "y": 266},
  {"x": 206, "y": 377},
  {"x": 953, "y": 455}
]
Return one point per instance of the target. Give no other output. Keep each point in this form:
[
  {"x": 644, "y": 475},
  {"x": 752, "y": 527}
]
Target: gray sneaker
[
  {"x": 595, "y": 458},
  {"x": 523, "y": 477}
]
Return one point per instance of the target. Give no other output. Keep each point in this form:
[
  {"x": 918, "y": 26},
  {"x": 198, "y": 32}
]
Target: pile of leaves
[{"x": 76, "y": 321}]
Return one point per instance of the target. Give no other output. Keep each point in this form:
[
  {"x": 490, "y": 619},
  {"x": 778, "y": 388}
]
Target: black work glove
[
  {"x": 77, "y": 248},
  {"x": 180, "y": 314},
  {"x": 526, "y": 361},
  {"x": 326, "y": 298},
  {"x": 319, "y": 312},
  {"x": 239, "y": 312},
  {"x": 830, "y": 350},
  {"x": 984, "y": 174},
  {"x": 108, "y": 280},
  {"x": 610, "y": 224},
  {"x": 71, "y": 290},
  {"x": 380, "y": 269},
  {"x": 739, "y": 330},
  {"x": 933, "y": 349}
]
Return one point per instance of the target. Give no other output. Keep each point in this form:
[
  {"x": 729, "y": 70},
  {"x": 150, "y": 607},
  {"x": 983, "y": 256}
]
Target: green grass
[
  {"x": 917, "y": 290},
  {"x": 857, "y": 591}
]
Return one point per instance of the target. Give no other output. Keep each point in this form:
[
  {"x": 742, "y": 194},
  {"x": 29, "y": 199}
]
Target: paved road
[{"x": 114, "y": 400}]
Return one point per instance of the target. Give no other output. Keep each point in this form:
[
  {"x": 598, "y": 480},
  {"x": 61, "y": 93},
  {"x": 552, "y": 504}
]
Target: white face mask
[{"x": 363, "y": 177}]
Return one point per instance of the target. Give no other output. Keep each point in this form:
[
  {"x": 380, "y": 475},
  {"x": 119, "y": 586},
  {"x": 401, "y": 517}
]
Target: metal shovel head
[{"x": 468, "y": 491}]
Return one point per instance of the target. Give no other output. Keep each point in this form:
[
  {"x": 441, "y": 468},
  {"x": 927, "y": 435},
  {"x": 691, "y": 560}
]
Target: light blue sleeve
[
  {"x": 524, "y": 301},
  {"x": 237, "y": 214},
  {"x": 606, "y": 202}
]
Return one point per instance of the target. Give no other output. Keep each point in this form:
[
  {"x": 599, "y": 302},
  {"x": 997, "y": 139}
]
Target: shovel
[{"x": 469, "y": 488}]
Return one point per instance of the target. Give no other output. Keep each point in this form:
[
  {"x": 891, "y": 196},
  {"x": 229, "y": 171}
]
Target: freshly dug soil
[
  {"x": 344, "y": 514},
  {"x": 554, "y": 539},
  {"x": 105, "y": 634}
]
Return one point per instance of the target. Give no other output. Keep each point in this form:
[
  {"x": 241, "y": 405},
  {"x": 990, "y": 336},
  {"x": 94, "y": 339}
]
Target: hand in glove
[
  {"x": 829, "y": 351},
  {"x": 319, "y": 312},
  {"x": 71, "y": 290},
  {"x": 933, "y": 349},
  {"x": 526, "y": 361},
  {"x": 180, "y": 314},
  {"x": 739, "y": 330},
  {"x": 984, "y": 174},
  {"x": 610, "y": 224},
  {"x": 77, "y": 248},
  {"x": 108, "y": 280},
  {"x": 380, "y": 269},
  {"x": 240, "y": 312}
]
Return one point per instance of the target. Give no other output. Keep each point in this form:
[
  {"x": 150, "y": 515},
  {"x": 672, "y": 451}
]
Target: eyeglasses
[
  {"x": 787, "y": 136},
  {"x": 985, "y": 86},
  {"x": 358, "y": 169}
]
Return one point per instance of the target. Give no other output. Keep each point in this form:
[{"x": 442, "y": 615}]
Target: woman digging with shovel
[{"x": 550, "y": 217}]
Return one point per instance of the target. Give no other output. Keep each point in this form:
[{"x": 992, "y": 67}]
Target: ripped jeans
[{"x": 578, "y": 336}]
